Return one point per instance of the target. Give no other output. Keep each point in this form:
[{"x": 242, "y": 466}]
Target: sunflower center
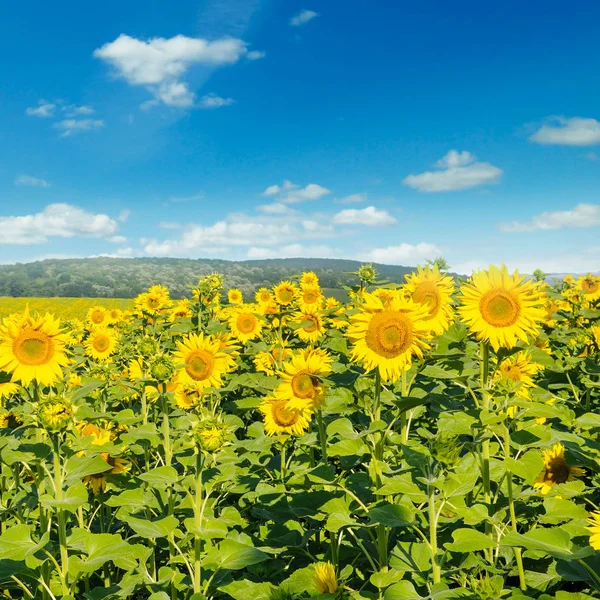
[
  {"x": 265, "y": 297},
  {"x": 246, "y": 323},
  {"x": 33, "y": 348},
  {"x": 389, "y": 334},
  {"x": 590, "y": 286},
  {"x": 513, "y": 373},
  {"x": 286, "y": 295},
  {"x": 312, "y": 324},
  {"x": 153, "y": 302},
  {"x": 282, "y": 416},
  {"x": 199, "y": 364},
  {"x": 499, "y": 308},
  {"x": 559, "y": 471},
  {"x": 101, "y": 343},
  {"x": 427, "y": 293},
  {"x": 310, "y": 296},
  {"x": 97, "y": 317},
  {"x": 305, "y": 385}
]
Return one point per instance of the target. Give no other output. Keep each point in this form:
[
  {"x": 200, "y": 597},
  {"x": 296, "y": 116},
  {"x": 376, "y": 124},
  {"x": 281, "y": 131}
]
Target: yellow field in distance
[{"x": 65, "y": 308}]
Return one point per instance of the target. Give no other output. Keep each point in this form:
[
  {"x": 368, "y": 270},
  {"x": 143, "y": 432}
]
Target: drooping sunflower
[
  {"x": 235, "y": 296},
  {"x": 301, "y": 384},
  {"x": 279, "y": 418},
  {"x": 556, "y": 470},
  {"x": 285, "y": 292},
  {"x": 388, "y": 336},
  {"x": 310, "y": 326},
  {"x": 33, "y": 349},
  {"x": 310, "y": 299},
  {"x": 100, "y": 344},
  {"x": 501, "y": 308},
  {"x": 594, "y": 530},
  {"x": 116, "y": 464},
  {"x": 97, "y": 315},
  {"x": 516, "y": 373},
  {"x": 433, "y": 289},
  {"x": 244, "y": 323},
  {"x": 203, "y": 363},
  {"x": 589, "y": 285}
]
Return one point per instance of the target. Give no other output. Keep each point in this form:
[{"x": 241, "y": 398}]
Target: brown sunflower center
[
  {"x": 427, "y": 293},
  {"x": 499, "y": 308},
  {"x": 101, "y": 343},
  {"x": 33, "y": 348},
  {"x": 311, "y": 324},
  {"x": 246, "y": 323},
  {"x": 558, "y": 471},
  {"x": 389, "y": 334},
  {"x": 305, "y": 385},
  {"x": 589, "y": 285},
  {"x": 199, "y": 364},
  {"x": 513, "y": 372},
  {"x": 310, "y": 296},
  {"x": 282, "y": 416},
  {"x": 153, "y": 302}
]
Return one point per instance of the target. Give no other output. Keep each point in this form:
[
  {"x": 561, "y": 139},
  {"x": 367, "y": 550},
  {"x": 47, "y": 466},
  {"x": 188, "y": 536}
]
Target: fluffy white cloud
[
  {"x": 44, "y": 110},
  {"x": 458, "y": 171},
  {"x": 160, "y": 63},
  {"x": 369, "y": 216},
  {"x": 273, "y": 190},
  {"x": 57, "y": 220},
  {"x": 77, "y": 111},
  {"x": 30, "y": 181},
  {"x": 576, "y": 131},
  {"x": 290, "y": 193},
  {"x": 582, "y": 216},
  {"x": 303, "y": 17},
  {"x": 71, "y": 126},
  {"x": 276, "y": 208},
  {"x": 404, "y": 254},
  {"x": 214, "y": 101},
  {"x": 353, "y": 199},
  {"x": 255, "y": 55}
]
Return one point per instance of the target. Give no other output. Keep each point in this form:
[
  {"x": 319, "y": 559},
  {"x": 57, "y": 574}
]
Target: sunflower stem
[
  {"x": 403, "y": 419},
  {"x": 436, "y": 571},
  {"x": 198, "y": 525},
  {"x": 511, "y": 506},
  {"x": 60, "y": 514},
  {"x": 485, "y": 446},
  {"x": 382, "y": 537}
]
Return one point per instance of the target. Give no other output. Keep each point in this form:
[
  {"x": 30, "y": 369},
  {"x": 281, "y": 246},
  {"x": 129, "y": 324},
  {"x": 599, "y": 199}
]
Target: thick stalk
[
  {"x": 485, "y": 446},
  {"x": 166, "y": 429},
  {"x": 382, "y": 539},
  {"x": 282, "y": 459},
  {"x": 62, "y": 523},
  {"x": 198, "y": 525},
  {"x": 403, "y": 420},
  {"x": 511, "y": 506},
  {"x": 433, "y": 534}
]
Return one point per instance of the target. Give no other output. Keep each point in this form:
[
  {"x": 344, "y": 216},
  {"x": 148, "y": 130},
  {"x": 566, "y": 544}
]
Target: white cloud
[
  {"x": 303, "y": 17},
  {"x": 169, "y": 225},
  {"x": 72, "y": 126},
  {"x": 369, "y": 216},
  {"x": 124, "y": 215},
  {"x": 255, "y": 55},
  {"x": 292, "y": 251},
  {"x": 404, "y": 254},
  {"x": 273, "y": 190},
  {"x": 56, "y": 220},
  {"x": 313, "y": 191},
  {"x": 353, "y": 199},
  {"x": 77, "y": 111},
  {"x": 30, "y": 181},
  {"x": 574, "y": 131},
  {"x": 44, "y": 110},
  {"x": 459, "y": 171},
  {"x": 214, "y": 101},
  {"x": 160, "y": 63},
  {"x": 582, "y": 216},
  {"x": 276, "y": 208}
]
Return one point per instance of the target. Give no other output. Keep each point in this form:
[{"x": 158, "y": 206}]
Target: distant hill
[{"x": 127, "y": 277}]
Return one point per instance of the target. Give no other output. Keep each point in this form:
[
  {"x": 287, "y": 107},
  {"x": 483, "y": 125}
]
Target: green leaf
[
  {"x": 403, "y": 590},
  {"x": 233, "y": 555},
  {"x": 16, "y": 543},
  {"x": 391, "y": 515},
  {"x": 153, "y": 529},
  {"x": 74, "y": 497},
  {"x": 469, "y": 540},
  {"x": 248, "y": 590},
  {"x": 77, "y": 468},
  {"x": 554, "y": 541},
  {"x": 160, "y": 477}
]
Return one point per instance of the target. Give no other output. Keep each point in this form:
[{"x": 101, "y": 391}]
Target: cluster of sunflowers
[{"x": 437, "y": 438}]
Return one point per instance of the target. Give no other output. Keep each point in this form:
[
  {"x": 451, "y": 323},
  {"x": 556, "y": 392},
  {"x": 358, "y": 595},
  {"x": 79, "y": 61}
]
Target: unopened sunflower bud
[
  {"x": 324, "y": 578},
  {"x": 367, "y": 274},
  {"x": 446, "y": 449},
  {"x": 210, "y": 435},
  {"x": 162, "y": 369},
  {"x": 55, "y": 414},
  {"x": 147, "y": 347}
]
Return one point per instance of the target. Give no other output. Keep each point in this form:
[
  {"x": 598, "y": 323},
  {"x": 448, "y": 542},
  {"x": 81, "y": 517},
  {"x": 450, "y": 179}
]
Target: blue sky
[{"x": 387, "y": 131}]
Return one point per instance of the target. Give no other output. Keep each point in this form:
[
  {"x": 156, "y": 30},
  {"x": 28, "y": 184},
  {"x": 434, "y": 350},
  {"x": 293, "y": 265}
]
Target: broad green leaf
[
  {"x": 160, "y": 477},
  {"x": 73, "y": 498},
  {"x": 153, "y": 529},
  {"x": 391, "y": 515},
  {"x": 16, "y": 543},
  {"x": 469, "y": 540},
  {"x": 554, "y": 541},
  {"x": 77, "y": 467},
  {"x": 403, "y": 590},
  {"x": 233, "y": 555}
]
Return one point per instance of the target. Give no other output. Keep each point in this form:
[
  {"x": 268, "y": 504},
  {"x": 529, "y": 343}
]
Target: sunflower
[
  {"x": 97, "y": 315},
  {"x": 8, "y": 389},
  {"x": 324, "y": 578},
  {"x": 204, "y": 364},
  {"x": 310, "y": 326},
  {"x": 310, "y": 299},
  {"x": 280, "y": 418},
  {"x": 301, "y": 383},
  {"x": 387, "y": 337},
  {"x": 500, "y": 308},
  {"x": 244, "y": 324},
  {"x": 556, "y": 470},
  {"x": 152, "y": 302},
  {"x": 188, "y": 396},
  {"x": 433, "y": 289},
  {"x": 114, "y": 315},
  {"x": 594, "y": 530},
  {"x": 263, "y": 296},
  {"x": 269, "y": 362},
  {"x": 285, "y": 292},
  {"x": 235, "y": 296},
  {"x": 309, "y": 279},
  {"x": 589, "y": 285},
  {"x": 100, "y": 344},
  {"x": 180, "y": 310},
  {"x": 100, "y": 435},
  {"x": 517, "y": 372},
  {"x": 97, "y": 482},
  {"x": 33, "y": 349}
]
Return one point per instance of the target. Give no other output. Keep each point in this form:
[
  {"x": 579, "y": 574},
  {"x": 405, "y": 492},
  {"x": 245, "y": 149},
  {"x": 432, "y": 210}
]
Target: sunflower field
[
  {"x": 64, "y": 308},
  {"x": 435, "y": 440}
]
